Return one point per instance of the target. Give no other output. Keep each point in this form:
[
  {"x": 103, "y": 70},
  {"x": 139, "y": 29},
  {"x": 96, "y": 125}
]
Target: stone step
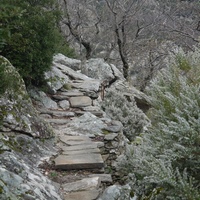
[
  {"x": 96, "y": 113},
  {"x": 67, "y": 95},
  {"x": 83, "y": 184},
  {"x": 82, "y": 195},
  {"x": 77, "y": 147},
  {"x": 69, "y": 138},
  {"x": 74, "y": 143},
  {"x": 72, "y": 93},
  {"x": 79, "y": 152},
  {"x": 57, "y": 113},
  {"x": 81, "y": 101},
  {"x": 80, "y": 161},
  {"x": 105, "y": 178},
  {"x": 60, "y": 97},
  {"x": 57, "y": 121}
]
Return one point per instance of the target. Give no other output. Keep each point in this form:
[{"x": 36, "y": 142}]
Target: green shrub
[
  {"x": 30, "y": 36},
  {"x": 8, "y": 80},
  {"x": 166, "y": 164}
]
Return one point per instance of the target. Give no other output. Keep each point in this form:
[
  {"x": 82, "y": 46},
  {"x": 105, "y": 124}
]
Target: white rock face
[
  {"x": 70, "y": 72},
  {"x": 19, "y": 174},
  {"x": 97, "y": 68},
  {"x": 43, "y": 99},
  {"x": 72, "y": 63},
  {"x": 55, "y": 79},
  {"x": 16, "y": 110}
]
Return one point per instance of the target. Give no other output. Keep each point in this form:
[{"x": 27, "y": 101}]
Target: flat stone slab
[
  {"x": 70, "y": 72},
  {"x": 96, "y": 113},
  {"x": 87, "y": 85},
  {"x": 77, "y": 147},
  {"x": 82, "y": 195},
  {"x": 85, "y": 151},
  {"x": 57, "y": 121},
  {"x": 74, "y": 143},
  {"x": 72, "y": 93},
  {"x": 80, "y": 101},
  {"x": 66, "y": 138},
  {"x": 105, "y": 178},
  {"x": 82, "y": 161},
  {"x": 60, "y": 97},
  {"x": 58, "y": 113},
  {"x": 84, "y": 184}
]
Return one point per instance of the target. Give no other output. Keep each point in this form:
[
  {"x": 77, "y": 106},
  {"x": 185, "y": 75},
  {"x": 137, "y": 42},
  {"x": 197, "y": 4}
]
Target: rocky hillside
[{"x": 64, "y": 143}]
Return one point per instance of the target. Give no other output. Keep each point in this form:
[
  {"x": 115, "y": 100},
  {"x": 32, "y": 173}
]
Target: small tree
[{"x": 30, "y": 36}]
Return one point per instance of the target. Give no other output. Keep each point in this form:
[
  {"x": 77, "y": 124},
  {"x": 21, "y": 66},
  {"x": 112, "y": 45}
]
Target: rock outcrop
[
  {"x": 23, "y": 144},
  {"x": 16, "y": 110},
  {"x": 82, "y": 157}
]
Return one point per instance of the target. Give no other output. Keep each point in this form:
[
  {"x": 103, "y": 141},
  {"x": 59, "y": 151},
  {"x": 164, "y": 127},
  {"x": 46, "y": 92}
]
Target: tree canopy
[{"x": 29, "y": 36}]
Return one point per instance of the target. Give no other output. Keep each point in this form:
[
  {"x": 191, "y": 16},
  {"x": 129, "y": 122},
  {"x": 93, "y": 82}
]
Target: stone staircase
[
  {"x": 77, "y": 152},
  {"x": 88, "y": 141}
]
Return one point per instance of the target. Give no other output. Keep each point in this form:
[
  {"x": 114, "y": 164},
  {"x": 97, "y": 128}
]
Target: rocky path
[
  {"x": 81, "y": 160},
  {"x": 78, "y": 149},
  {"x": 88, "y": 141}
]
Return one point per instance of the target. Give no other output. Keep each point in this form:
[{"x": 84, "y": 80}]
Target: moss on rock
[{"x": 16, "y": 110}]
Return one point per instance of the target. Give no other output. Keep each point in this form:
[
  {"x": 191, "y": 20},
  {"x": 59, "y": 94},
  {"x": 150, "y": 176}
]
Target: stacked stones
[
  {"x": 87, "y": 138},
  {"x": 114, "y": 146}
]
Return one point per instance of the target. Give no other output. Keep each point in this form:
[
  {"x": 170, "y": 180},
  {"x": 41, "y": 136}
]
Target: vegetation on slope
[
  {"x": 166, "y": 164},
  {"x": 30, "y": 36}
]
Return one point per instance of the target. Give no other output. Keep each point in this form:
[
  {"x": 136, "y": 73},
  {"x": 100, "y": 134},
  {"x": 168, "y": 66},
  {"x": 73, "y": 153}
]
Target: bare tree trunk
[
  {"x": 74, "y": 32},
  {"x": 122, "y": 53}
]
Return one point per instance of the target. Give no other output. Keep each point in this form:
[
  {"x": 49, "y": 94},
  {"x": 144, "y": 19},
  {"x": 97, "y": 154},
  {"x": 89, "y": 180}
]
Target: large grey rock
[
  {"x": 55, "y": 79},
  {"x": 42, "y": 99},
  {"x": 114, "y": 126},
  {"x": 116, "y": 192},
  {"x": 97, "y": 68},
  {"x": 64, "y": 104},
  {"x": 81, "y": 101},
  {"x": 84, "y": 184},
  {"x": 72, "y": 63},
  {"x": 87, "y": 85},
  {"x": 105, "y": 178},
  {"x": 89, "y": 124},
  {"x": 70, "y": 72},
  {"x": 19, "y": 174},
  {"x": 16, "y": 110},
  {"x": 140, "y": 98}
]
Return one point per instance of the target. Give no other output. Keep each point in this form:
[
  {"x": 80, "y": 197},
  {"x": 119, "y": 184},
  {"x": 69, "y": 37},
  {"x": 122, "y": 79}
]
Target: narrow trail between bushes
[{"x": 79, "y": 166}]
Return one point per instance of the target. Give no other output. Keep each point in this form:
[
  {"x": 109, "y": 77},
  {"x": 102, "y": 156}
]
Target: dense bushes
[
  {"x": 29, "y": 36},
  {"x": 118, "y": 107},
  {"x": 166, "y": 164}
]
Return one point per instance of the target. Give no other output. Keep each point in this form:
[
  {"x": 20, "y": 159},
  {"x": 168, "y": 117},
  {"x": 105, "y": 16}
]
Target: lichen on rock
[{"x": 16, "y": 110}]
